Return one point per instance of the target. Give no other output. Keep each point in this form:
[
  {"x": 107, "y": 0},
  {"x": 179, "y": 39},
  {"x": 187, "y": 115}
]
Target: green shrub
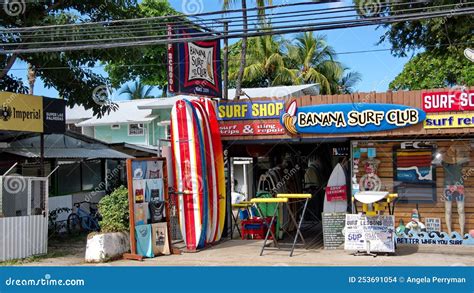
[{"x": 114, "y": 211}]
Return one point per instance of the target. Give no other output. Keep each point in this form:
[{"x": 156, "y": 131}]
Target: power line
[
  {"x": 230, "y": 59},
  {"x": 256, "y": 32}
]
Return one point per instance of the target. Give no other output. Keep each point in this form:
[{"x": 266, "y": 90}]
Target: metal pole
[
  {"x": 226, "y": 61},
  {"x": 42, "y": 155}
]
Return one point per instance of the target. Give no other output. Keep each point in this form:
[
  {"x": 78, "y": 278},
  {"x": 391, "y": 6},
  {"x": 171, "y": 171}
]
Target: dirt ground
[{"x": 246, "y": 253}]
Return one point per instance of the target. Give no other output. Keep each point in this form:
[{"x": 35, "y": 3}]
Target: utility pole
[{"x": 226, "y": 61}]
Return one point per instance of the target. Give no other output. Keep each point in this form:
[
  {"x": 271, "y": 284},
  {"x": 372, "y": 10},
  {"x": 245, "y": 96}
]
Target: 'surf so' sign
[
  {"x": 448, "y": 101},
  {"x": 349, "y": 118}
]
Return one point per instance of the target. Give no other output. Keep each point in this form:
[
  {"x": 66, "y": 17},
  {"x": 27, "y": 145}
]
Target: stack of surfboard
[{"x": 198, "y": 162}]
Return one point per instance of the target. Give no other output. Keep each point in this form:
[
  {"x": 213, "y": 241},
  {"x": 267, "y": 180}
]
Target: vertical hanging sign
[{"x": 194, "y": 67}]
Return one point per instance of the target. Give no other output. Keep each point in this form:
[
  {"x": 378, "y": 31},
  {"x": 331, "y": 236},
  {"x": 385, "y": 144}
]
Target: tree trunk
[
  {"x": 243, "y": 53},
  {"x": 9, "y": 65},
  {"x": 31, "y": 78}
]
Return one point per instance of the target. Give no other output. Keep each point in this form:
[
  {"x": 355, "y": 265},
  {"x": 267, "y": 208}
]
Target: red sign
[
  {"x": 251, "y": 128},
  {"x": 334, "y": 193},
  {"x": 448, "y": 101}
]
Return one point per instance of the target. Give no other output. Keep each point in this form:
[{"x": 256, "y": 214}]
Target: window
[
  {"x": 168, "y": 131},
  {"x": 115, "y": 126},
  {"x": 136, "y": 129},
  {"x": 69, "y": 178},
  {"x": 74, "y": 176},
  {"x": 92, "y": 175},
  {"x": 72, "y": 127}
]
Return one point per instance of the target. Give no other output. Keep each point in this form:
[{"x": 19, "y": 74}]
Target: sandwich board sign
[{"x": 374, "y": 234}]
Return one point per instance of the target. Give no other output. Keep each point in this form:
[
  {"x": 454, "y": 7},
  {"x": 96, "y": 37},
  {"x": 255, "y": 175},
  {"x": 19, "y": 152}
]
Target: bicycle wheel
[{"x": 74, "y": 226}]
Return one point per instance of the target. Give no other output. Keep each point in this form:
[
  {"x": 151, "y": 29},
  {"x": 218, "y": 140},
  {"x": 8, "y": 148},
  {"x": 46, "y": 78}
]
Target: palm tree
[
  {"x": 137, "y": 91},
  {"x": 266, "y": 63},
  {"x": 31, "y": 78},
  {"x": 315, "y": 60},
  {"x": 243, "y": 52},
  {"x": 348, "y": 81}
]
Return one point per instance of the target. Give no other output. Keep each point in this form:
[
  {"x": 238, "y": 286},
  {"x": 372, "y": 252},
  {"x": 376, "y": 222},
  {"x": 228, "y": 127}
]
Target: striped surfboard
[
  {"x": 218, "y": 165},
  {"x": 190, "y": 173}
]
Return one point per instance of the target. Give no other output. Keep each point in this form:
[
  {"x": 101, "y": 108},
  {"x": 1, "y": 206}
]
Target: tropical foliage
[
  {"x": 437, "y": 45},
  {"x": 273, "y": 60},
  {"x": 137, "y": 91},
  {"x": 71, "y": 73}
]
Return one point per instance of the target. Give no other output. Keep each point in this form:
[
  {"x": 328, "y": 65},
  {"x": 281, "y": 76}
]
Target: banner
[
  {"x": 369, "y": 233},
  {"x": 448, "y": 101},
  {"x": 194, "y": 67},
  {"x": 375, "y": 278},
  {"x": 249, "y": 110},
  {"x": 458, "y": 120},
  {"x": 251, "y": 128},
  {"x": 349, "y": 118},
  {"x": 20, "y": 112}
]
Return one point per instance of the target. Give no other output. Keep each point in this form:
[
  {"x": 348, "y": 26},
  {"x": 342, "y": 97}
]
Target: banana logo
[{"x": 289, "y": 118}]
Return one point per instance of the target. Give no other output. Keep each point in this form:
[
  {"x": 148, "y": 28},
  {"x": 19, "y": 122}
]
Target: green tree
[
  {"x": 437, "y": 44},
  {"x": 136, "y": 92},
  {"x": 316, "y": 63},
  {"x": 243, "y": 44},
  {"x": 266, "y": 63},
  {"x": 70, "y": 73}
]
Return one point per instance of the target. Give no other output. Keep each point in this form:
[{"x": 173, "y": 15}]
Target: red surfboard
[{"x": 188, "y": 161}]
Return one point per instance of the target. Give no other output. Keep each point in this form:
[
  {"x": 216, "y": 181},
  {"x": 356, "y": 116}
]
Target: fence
[{"x": 23, "y": 216}]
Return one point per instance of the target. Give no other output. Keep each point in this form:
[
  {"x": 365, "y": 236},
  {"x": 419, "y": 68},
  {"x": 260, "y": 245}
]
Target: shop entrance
[{"x": 267, "y": 169}]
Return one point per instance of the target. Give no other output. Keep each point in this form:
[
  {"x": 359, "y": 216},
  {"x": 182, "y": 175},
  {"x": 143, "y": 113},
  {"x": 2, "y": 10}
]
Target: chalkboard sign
[
  {"x": 333, "y": 224},
  {"x": 365, "y": 233}
]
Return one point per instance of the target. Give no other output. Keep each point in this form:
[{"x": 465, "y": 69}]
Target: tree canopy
[
  {"x": 71, "y": 73},
  {"x": 274, "y": 60},
  {"x": 437, "y": 45}
]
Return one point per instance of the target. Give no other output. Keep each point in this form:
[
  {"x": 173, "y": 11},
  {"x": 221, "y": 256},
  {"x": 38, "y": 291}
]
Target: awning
[{"x": 69, "y": 153}]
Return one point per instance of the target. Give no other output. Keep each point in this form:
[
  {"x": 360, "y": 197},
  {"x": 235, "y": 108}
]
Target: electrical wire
[
  {"x": 236, "y": 59},
  {"x": 223, "y": 13},
  {"x": 199, "y": 36}
]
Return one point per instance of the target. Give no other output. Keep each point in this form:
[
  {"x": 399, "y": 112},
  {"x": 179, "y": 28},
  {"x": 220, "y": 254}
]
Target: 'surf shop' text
[{"x": 448, "y": 101}]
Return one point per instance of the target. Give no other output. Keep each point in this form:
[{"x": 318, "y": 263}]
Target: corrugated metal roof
[
  {"x": 70, "y": 153},
  {"x": 63, "y": 146},
  {"x": 127, "y": 112}
]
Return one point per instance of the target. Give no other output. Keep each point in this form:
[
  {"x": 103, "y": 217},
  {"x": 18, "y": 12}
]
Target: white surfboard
[{"x": 337, "y": 179}]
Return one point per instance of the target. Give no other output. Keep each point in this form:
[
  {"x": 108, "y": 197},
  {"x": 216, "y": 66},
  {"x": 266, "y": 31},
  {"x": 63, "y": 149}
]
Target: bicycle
[{"x": 82, "y": 221}]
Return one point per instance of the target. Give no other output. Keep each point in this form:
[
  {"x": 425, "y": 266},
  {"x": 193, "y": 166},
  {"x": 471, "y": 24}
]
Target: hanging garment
[
  {"x": 139, "y": 186},
  {"x": 141, "y": 213},
  {"x": 157, "y": 211},
  {"x": 144, "y": 243},
  {"x": 139, "y": 169},
  {"x": 154, "y": 169},
  {"x": 159, "y": 239},
  {"x": 154, "y": 190}
]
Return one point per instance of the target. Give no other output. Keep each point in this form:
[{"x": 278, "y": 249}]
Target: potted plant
[{"x": 113, "y": 239}]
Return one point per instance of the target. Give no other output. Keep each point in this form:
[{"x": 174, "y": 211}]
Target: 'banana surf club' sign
[
  {"x": 20, "y": 112},
  {"x": 349, "y": 118}
]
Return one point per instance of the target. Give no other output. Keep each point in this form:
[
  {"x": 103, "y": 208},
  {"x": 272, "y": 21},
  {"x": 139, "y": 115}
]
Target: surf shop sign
[
  {"x": 228, "y": 111},
  {"x": 349, "y": 118}
]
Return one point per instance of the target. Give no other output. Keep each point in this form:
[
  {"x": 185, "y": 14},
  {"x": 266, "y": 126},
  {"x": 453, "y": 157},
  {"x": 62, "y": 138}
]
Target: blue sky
[{"x": 378, "y": 69}]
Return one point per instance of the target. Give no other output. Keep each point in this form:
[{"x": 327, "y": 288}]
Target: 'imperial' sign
[
  {"x": 349, "y": 118},
  {"x": 31, "y": 113}
]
